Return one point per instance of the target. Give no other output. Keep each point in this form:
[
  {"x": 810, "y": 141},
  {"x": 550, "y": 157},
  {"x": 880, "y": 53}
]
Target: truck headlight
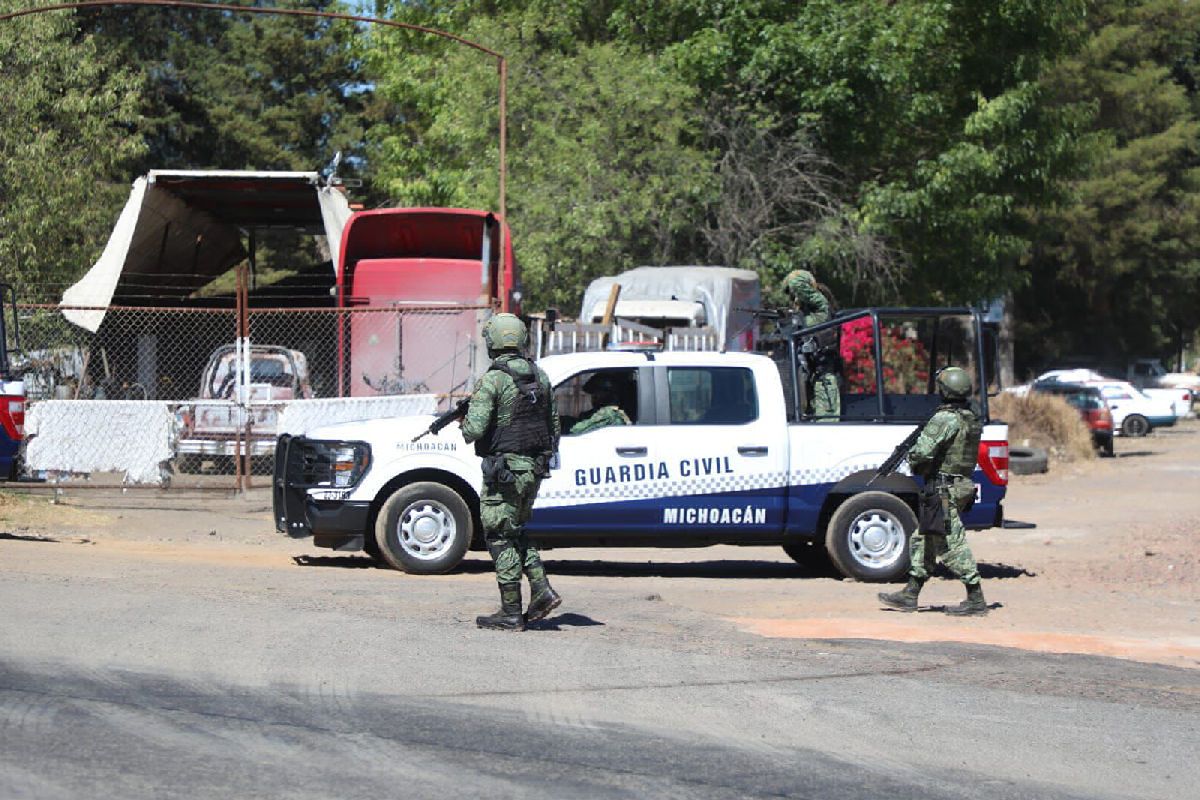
[{"x": 349, "y": 461}]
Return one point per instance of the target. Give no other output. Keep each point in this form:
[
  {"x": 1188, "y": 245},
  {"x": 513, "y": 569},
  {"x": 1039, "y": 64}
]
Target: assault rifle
[
  {"x": 900, "y": 453},
  {"x": 456, "y": 413}
]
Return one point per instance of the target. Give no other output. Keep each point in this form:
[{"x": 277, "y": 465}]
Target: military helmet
[
  {"x": 505, "y": 332},
  {"x": 799, "y": 279},
  {"x": 954, "y": 383}
]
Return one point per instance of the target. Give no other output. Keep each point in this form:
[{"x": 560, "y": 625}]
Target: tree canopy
[{"x": 905, "y": 151}]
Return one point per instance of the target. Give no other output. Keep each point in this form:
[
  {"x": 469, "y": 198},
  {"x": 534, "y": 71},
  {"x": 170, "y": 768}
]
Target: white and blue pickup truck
[{"x": 719, "y": 452}]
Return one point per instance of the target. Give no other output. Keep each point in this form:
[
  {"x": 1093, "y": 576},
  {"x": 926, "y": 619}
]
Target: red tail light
[
  {"x": 12, "y": 415},
  {"x": 1099, "y": 419},
  {"x": 993, "y": 460}
]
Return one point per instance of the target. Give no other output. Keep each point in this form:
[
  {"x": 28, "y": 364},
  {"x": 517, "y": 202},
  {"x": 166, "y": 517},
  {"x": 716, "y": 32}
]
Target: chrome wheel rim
[
  {"x": 876, "y": 538},
  {"x": 426, "y": 529}
]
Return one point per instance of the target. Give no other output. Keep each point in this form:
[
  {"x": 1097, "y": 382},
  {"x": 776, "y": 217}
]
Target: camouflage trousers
[
  {"x": 504, "y": 508},
  {"x": 925, "y": 548},
  {"x": 826, "y": 400}
]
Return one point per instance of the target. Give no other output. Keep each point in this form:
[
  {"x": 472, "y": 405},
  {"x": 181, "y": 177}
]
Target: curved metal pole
[{"x": 501, "y": 63}]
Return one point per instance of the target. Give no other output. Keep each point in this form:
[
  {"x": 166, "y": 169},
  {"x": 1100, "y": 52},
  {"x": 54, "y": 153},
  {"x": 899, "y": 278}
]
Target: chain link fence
[{"x": 166, "y": 396}]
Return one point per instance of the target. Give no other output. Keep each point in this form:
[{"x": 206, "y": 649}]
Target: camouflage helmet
[
  {"x": 954, "y": 383},
  {"x": 505, "y": 332},
  {"x": 799, "y": 279}
]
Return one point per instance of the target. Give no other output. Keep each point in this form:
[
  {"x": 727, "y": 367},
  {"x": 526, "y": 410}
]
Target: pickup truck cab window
[
  {"x": 711, "y": 396},
  {"x": 574, "y": 402}
]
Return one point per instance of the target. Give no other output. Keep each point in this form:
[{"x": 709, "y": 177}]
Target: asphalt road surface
[{"x": 190, "y": 652}]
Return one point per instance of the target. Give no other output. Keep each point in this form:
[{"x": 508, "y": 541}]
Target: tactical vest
[
  {"x": 963, "y": 450},
  {"x": 528, "y": 431}
]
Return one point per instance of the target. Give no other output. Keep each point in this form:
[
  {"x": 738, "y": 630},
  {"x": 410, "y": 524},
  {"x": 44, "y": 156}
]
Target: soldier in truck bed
[{"x": 825, "y": 402}]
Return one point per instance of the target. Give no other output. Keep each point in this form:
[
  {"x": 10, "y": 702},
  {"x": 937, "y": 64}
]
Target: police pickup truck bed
[{"x": 716, "y": 454}]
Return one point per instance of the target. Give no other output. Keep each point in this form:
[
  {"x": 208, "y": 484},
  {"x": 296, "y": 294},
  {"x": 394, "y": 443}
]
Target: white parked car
[{"x": 1135, "y": 412}]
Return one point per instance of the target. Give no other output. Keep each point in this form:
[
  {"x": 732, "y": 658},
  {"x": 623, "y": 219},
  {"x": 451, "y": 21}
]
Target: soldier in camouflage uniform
[
  {"x": 513, "y": 423},
  {"x": 605, "y": 411},
  {"x": 945, "y": 454},
  {"x": 826, "y": 401}
]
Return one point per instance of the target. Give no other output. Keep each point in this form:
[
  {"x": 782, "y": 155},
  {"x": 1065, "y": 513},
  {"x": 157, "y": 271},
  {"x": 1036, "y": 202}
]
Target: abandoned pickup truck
[
  {"x": 719, "y": 451},
  {"x": 210, "y": 428}
]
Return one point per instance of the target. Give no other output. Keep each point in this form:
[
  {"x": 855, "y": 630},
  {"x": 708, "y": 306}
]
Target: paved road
[{"x": 129, "y": 673}]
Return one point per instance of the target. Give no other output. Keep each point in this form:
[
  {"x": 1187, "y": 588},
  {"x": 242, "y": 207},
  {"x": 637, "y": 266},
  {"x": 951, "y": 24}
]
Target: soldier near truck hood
[{"x": 512, "y": 421}]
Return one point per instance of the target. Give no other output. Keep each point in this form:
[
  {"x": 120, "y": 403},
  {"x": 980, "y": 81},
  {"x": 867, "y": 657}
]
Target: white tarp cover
[
  {"x": 301, "y": 416},
  {"x": 719, "y": 289},
  {"x": 158, "y": 234},
  {"x": 131, "y": 436}
]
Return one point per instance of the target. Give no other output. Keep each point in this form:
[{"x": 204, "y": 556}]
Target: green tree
[
  {"x": 1117, "y": 270},
  {"x": 240, "y": 91},
  {"x": 67, "y": 136},
  {"x": 932, "y": 112},
  {"x": 604, "y": 170}
]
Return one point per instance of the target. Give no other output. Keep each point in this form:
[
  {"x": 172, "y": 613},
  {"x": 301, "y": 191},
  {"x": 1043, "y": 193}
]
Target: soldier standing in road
[
  {"x": 826, "y": 401},
  {"x": 944, "y": 456},
  {"x": 513, "y": 423},
  {"x": 605, "y": 409}
]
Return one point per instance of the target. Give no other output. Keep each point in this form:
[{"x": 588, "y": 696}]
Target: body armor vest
[
  {"x": 528, "y": 431},
  {"x": 963, "y": 450}
]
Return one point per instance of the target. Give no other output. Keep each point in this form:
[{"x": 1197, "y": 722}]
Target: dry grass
[{"x": 1046, "y": 421}]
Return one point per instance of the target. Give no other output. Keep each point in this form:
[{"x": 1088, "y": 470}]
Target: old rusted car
[{"x": 211, "y": 428}]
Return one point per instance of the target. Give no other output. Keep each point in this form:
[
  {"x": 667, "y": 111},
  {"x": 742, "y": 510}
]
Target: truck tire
[
  {"x": 1028, "y": 460},
  {"x": 867, "y": 537},
  {"x": 1135, "y": 426},
  {"x": 811, "y": 556},
  {"x": 423, "y": 528}
]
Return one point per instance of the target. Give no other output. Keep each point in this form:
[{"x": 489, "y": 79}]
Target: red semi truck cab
[
  {"x": 435, "y": 261},
  {"x": 12, "y": 388}
]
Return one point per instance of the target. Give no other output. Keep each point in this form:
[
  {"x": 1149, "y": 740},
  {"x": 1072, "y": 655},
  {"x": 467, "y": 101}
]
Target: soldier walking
[
  {"x": 826, "y": 401},
  {"x": 513, "y": 423},
  {"x": 944, "y": 456}
]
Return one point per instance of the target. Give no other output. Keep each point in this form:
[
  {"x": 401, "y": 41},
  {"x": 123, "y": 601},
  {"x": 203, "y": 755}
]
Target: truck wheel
[
  {"x": 1135, "y": 425},
  {"x": 867, "y": 537},
  {"x": 423, "y": 528}
]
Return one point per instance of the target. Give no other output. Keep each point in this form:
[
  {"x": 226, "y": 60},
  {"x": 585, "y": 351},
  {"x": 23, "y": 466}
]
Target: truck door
[
  {"x": 599, "y": 481},
  {"x": 722, "y": 442},
  {"x": 705, "y": 457}
]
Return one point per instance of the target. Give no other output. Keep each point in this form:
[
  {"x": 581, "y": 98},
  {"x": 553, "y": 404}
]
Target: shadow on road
[
  {"x": 722, "y": 569},
  {"x": 23, "y": 537},
  {"x": 345, "y": 562},
  {"x": 689, "y": 569},
  {"x": 563, "y": 621},
  {"x": 1135, "y": 454},
  {"x": 989, "y": 571}
]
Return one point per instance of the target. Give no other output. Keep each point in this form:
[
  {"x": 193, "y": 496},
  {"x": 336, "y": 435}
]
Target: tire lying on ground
[{"x": 1027, "y": 460}]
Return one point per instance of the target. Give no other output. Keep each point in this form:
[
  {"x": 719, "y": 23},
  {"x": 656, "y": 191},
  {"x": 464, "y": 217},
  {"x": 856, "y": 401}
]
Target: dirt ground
[{"x": 1111, "y": 568}]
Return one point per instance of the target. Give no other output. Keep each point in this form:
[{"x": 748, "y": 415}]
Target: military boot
[
  {"x": 543, "y": 599},
  {"x": 509, "y": 617},
  {"x": 973, "y": 605},
  {"x": 905, "y": 599}
]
